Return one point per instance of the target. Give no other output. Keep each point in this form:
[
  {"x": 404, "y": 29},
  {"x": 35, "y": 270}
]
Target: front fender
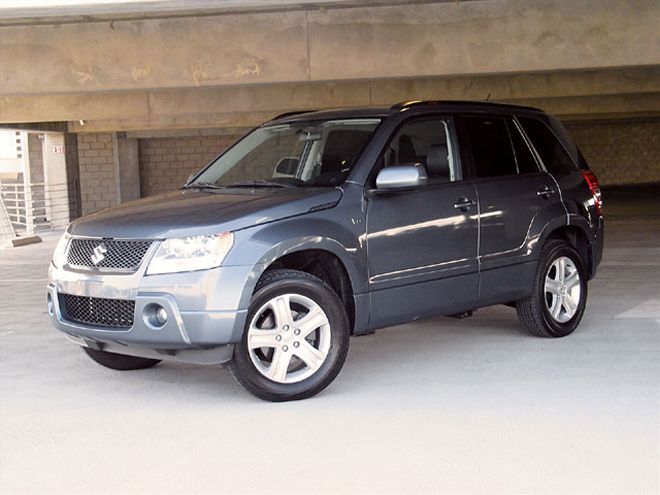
[{"x": 259, "y": 247}]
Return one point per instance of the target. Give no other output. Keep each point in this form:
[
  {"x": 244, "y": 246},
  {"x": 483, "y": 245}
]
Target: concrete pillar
[
  {"x": 27, "y": 186},
  {"x": 127, "y": 167},
  {"x": 55, "y": 179}
]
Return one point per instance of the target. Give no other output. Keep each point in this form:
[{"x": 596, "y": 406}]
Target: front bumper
[{"x": 205, "y": 312}]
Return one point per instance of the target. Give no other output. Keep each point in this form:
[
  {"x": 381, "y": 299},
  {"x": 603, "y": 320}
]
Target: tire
[
  {"x": 120, "y": 361},
  {"x": 555, "y": 306},
  {"x": 318, "y": 328}
]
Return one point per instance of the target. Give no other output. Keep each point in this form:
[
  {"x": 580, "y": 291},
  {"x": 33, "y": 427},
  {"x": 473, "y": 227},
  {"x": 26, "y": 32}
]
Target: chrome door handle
[
  {"x": 545, "y": 192},
  {"x": 464, "y": 204}
]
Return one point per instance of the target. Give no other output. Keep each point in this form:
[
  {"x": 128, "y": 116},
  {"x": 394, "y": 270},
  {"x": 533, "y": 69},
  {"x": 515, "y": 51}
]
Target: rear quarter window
[{"x": 552, "y": 153}]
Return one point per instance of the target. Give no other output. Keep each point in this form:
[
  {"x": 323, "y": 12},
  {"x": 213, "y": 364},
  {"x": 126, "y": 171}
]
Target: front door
[{"x": 422, "y": 243}]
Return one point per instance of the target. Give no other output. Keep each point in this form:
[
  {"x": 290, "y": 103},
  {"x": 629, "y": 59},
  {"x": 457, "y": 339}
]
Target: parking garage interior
[{"x": 104, "y": 104}]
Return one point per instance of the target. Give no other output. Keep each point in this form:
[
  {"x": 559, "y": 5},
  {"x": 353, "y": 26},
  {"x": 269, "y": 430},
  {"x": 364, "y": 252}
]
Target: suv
[{"x": 320, "y": 225}]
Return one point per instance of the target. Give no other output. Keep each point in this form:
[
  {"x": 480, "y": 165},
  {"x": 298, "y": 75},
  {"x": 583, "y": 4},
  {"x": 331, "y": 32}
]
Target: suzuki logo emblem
[{"x": 99, "y": 254}]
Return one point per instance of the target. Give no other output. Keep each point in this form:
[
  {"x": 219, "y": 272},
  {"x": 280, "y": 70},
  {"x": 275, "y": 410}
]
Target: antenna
[{"x": 488, "y": 97}]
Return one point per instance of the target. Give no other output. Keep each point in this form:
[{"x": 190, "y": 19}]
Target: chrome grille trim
[{"x": 119, "y": 254}]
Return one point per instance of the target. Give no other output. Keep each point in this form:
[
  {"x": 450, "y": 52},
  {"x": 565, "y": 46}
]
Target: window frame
[
  {"x": 466, "y": 146},
  {"x": 554, "y": 134},
  {"x": 540, "y": 167},
  {"x": 454, "y": 149}
]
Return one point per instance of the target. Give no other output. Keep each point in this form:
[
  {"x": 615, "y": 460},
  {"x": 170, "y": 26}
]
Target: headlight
[
  {"x": 59, "y": 255},
  {"x": 191, "y": 253}
]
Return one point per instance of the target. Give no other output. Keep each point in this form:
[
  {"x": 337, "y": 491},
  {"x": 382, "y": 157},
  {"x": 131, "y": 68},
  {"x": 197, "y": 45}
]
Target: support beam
[{"x": 340, "y": 44}]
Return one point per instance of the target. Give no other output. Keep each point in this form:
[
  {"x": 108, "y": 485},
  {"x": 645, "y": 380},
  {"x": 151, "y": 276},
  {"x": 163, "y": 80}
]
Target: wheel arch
[
  {"x": 324, "y": 258},
  {"x": 576, "y": 236}
]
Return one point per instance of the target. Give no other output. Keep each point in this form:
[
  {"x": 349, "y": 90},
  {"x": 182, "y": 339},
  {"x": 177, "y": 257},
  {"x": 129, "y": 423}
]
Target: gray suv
[{"x": 320, "y": 225}]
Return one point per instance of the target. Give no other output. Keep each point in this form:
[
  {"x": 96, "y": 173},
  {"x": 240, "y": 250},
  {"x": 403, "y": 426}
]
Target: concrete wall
[{"x": 621, "y": 152}]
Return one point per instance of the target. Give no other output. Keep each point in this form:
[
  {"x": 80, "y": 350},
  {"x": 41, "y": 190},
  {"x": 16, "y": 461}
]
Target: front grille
[
  {"x": 122, "y": 255},
  {"x": 97, "y": 311}
]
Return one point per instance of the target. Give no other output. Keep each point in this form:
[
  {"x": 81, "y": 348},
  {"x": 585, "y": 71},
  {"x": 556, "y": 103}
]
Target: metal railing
[{"x": 37, "y": 206}]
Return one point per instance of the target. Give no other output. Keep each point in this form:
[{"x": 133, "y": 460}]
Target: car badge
[{"x": 99, "y": 254}]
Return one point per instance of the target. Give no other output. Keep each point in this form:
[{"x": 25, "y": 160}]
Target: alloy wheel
[
  {"x": 289, "y": 338},
  {"x": 562, "y": 289}
]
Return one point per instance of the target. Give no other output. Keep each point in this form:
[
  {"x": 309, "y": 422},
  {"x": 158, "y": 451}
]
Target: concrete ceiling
[{"x": 69, "y": 11}]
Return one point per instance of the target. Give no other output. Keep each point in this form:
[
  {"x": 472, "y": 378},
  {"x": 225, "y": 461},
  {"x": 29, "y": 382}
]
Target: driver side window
[{"x": 424, "y": 141}]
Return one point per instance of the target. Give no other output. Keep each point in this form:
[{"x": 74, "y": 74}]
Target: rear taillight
[{"x": 594, "y": 187}]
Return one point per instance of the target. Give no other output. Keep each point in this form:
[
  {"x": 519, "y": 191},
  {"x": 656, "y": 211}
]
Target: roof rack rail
[
  {"x": 290, "y": 114},
  {"x": 404, "y": 105}
]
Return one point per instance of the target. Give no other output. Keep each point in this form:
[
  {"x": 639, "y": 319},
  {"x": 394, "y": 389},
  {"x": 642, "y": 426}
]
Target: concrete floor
[{"x": 452, "y": 406}]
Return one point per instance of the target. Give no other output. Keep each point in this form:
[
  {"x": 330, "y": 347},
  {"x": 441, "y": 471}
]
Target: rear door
[{"x": 516, "y": 199}]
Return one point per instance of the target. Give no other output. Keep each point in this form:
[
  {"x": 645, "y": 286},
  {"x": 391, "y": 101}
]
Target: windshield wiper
[
  {"x": 259, "y": 183},
  {"x": 202, "y": 185}
]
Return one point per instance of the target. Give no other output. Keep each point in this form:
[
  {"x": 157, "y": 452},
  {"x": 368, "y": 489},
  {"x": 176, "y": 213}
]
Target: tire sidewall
[
  {"x": 339, "y": 335},
  {"x": 556, "y": 328}
]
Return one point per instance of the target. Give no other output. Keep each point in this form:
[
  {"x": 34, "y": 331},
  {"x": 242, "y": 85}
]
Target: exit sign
[{"x": 59, "y": 149}]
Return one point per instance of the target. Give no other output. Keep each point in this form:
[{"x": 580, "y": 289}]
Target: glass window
[
  {"x": 524, "y": 157},
  {"x": 299, "y": 154},
  {"x": 423, "y": 141},
  {"x": 490, "y": 146},
  {"x": 552, "y": 153}
]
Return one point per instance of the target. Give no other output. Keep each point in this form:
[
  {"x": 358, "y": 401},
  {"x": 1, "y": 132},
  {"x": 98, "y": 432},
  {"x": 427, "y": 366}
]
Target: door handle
[
  {"x": 464, "y": 204},
  {"x": 545, "y": 192}
]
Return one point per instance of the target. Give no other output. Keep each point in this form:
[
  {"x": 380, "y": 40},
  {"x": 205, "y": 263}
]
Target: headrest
[{"x": 437, "y": 161}]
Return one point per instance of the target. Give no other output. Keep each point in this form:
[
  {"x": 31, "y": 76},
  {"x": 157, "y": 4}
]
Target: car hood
[{"x": 191, "y": 212}]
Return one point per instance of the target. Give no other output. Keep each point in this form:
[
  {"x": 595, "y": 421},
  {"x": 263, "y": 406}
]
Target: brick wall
[
  {"x": 165, "y": 163},
  {"x": 620, "y": 152},
  {"x": 98, "y": 184}
]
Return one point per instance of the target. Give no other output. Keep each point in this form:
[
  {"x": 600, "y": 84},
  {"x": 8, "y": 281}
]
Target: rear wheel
[
  {"x": 559, "y": 297},
  {"x": 120, "y": 361},
  {"x": 296, "y": 337}
]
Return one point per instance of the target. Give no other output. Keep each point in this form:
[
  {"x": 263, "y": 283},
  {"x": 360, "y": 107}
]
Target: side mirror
[{"x": 401, "y": 177}]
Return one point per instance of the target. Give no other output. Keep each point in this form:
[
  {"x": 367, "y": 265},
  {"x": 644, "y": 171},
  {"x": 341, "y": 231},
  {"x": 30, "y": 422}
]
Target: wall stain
[{"x": 139, "y": 73}]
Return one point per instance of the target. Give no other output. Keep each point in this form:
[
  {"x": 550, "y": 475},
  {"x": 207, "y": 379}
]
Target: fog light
[
  {"x": 155, "y": 315},
  {"x": 161, "y": 316},
  {"x": 51, "y": 306}
]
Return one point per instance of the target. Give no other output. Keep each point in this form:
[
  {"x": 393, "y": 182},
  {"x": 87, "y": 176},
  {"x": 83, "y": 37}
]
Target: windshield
[{"x": 299, "y": 154}]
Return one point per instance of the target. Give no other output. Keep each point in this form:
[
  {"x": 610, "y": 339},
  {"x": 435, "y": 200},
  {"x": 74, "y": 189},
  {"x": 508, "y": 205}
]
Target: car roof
[{"x": 417, "y": 105}]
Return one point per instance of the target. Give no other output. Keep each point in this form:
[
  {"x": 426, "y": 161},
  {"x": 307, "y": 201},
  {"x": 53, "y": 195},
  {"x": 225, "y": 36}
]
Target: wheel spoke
[
  {"x": 555, "y": 309},
  {"x": 311, "y": 321},
  {"x": 552, "y": 286},
  {"x": 261, "y": 338},
  {"x": 310, "y": 355},
  {"x": 281, "y": 307},
  {"x": 570, "y": 306},
  {"x": 572, "y": 280},
  {"x": 561, "y": 269},
  {"x": 279, "y": 365}
]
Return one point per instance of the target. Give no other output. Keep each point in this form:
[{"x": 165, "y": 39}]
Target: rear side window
[
  {"x": 489, "y": 143},
  {"x": 552, "y": 153},
  {"x": 524, "y": 158}
]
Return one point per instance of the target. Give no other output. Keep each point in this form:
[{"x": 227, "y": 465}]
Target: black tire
[
  {"x": 533, "y": 311},
  {"x": 272, "y": 284},
  {"x": 120, "y": 361}
]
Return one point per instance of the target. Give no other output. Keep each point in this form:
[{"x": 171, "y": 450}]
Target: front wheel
[
  {"x": 296, "y": 337},
  {"x": 559, "y": 296}
]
